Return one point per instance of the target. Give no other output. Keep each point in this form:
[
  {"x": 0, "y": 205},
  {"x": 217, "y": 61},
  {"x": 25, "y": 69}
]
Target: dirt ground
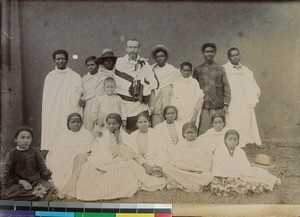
[
  {"x": 285, "y": 157},
  {"x": 287, "y": 168}
]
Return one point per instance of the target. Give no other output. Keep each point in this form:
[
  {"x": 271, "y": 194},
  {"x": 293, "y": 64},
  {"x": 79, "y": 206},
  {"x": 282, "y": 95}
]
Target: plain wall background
[{"x": 267, "y": 34}]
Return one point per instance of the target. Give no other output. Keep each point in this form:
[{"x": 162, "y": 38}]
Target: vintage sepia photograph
[{"x": 182, "y": 102}]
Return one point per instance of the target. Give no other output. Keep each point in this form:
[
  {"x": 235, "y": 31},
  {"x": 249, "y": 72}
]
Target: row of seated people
[{"x": 117, "y": 165}]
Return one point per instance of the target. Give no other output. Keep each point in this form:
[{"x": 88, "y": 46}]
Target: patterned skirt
[{"x": 224, "y": 187}]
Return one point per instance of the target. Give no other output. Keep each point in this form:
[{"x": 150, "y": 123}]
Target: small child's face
[
  {"x": 75, "y": 124},
  {"x": 109, "y": 88},
  {"x": 218, "y": 124},
  {"x": 190, "y": 134},
  {"x": 231, "y": 141},
  {"x": 92, "y": 67},
  {"x": 186, "y": 71},
  {"x": 23, "y": 140},
  {"x": 170, "y": 115},
  {"x": 112, "y": 125},
  {"x": 143, "y": 124}
]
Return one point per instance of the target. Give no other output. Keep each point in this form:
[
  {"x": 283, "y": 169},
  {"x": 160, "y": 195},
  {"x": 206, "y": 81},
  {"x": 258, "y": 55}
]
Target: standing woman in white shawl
[
  {"x": 244, "y": 97},
  {"x": 187, "y": 96},
  {"x": 68, "y": 153},
  {"x": 61, "y": 97}
]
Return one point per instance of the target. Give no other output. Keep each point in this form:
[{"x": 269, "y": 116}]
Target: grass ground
[{"x": 287, "y": 168}]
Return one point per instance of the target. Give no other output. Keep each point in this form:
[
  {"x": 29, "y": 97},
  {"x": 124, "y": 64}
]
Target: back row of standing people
[{"x": 141, "y": 87}]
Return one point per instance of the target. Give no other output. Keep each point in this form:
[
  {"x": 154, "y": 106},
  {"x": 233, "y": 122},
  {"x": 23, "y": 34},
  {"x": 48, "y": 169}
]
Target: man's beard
[{"x": 133, "y": 55}]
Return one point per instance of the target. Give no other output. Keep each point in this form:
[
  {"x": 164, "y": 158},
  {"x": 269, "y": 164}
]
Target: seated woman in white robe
[
  {"x": 191, "y": 162},
  {"x": 152, "y": 152},
  {"x": 234, "y": 173},
  {"x": 107, "y": 174},
  {"x": 68, "y": 153},
  {"x": 170, "y": 129},
  {"x": 215, "y": 135},
  {"x": 111, "y": 170}
]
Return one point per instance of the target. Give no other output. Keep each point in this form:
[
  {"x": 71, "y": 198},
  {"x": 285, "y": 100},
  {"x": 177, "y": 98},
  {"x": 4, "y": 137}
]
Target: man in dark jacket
[{"x": 213, "y": 81}]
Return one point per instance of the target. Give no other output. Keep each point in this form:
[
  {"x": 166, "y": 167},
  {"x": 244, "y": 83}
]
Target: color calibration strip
[{"x": 79, "y": 209}]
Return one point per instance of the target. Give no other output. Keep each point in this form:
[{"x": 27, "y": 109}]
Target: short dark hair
[
  {"x": 186, "y": 64},
  {"x": 231, "y": 132},
  {"x": 188, "y": 125},
  {"x": 232, "y": 49},
  {"x": 170, "y": 107},
  {"x": 109, "y": 79},
  {"x": 23, "y": 128},
  {"x": 160, "y": 50},
  {"x": 144, "y": 114},
  {"x": 212, "y": 45},
  {"x": 70, "y": 117},
  {"x": 218, "y": 115},
  {"x": 91, "y": 58},
  {"x": 60, "y": 51},
  {"x": 116, "y": 117}
]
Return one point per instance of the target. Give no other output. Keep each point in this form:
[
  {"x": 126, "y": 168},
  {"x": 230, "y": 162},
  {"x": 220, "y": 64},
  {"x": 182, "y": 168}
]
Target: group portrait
[{"x": 150, "y": 102}]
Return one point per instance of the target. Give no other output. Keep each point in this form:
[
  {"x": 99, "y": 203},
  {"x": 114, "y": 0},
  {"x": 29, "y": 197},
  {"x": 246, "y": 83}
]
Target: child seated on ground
[
  {"x": 233, "y": 172},
  {"x": 215, "y": 135},
  {"x": 170, "y": 129},
  {"x": 191, "y": 162},
  {"x": 25, "y": 175},
  {"x": 108, "y": 102},
  {"x": 187, "y": 96}
]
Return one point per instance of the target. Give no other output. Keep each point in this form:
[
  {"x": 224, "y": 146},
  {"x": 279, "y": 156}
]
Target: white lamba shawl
[
  {"x": 62, "y": 91},
  {"x": 185, "y": 97},
  {"x": 163, "y": 129},
  {"x": 166, "y": 75},
  {"x": 157, "y": 151},
  {"x": 238, "y": 166},
  {"x": 101, "y": 156},
  {"x": 60, "y": 159},
  {"x": 244, "y": 96}
]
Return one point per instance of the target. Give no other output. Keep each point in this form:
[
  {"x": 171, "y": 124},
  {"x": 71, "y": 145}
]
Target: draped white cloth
[
  {"x": 61, "y": 94},
  {"x": 166, "y": 75},
  {"x": 163, "y": 129},
  {"x": 131, "y": 71},
  {"x": 92, "y": 87},
  {"x": 213, "y": 138},
  {"x": 192, "y": 156},
  {"x": 109, "y": 176},
  {"x": 190, "y": 166},
  {"x": 186, "y": 97},
  {"x": 244, "y": 97},
  {"x": 238, "y": 166},
  {"x": 104, "y": 105},
  {"x": 156, "y": 153},
  {"x": 60, "y": 159},
  {"x": 105, "y": 176}
]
